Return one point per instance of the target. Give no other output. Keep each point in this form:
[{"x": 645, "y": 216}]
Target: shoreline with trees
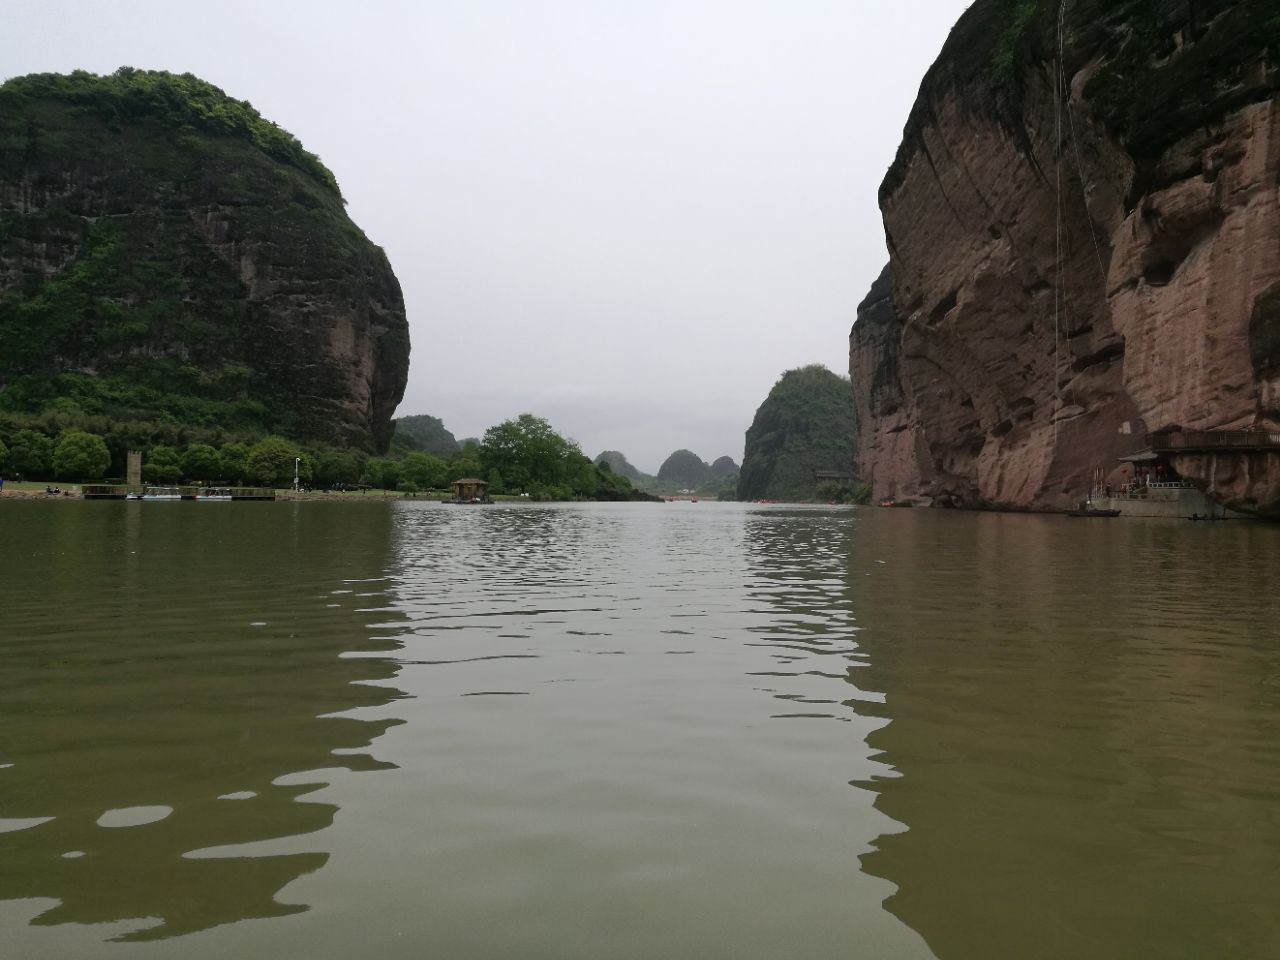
[{"x": 521, "y": 459}]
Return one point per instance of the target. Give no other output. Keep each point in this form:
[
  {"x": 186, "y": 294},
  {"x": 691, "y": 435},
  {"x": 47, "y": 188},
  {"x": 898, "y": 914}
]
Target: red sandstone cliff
[{"x": 1069, "y": 275}]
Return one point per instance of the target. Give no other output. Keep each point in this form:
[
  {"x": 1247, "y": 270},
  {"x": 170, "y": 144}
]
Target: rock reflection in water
[
  {"x": 1083, "y": 722},
  {"x": 150, "y": 659},
  {"x": 799, "y": 585}
]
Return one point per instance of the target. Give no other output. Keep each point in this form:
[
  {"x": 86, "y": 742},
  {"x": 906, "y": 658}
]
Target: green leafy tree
[
  {"x": 611, "y": 485},
  {"x": 31, "y": 455},
  {"x": 161, "y": 473},
  {"x": 463, "y": 467},
  {"x": 335, "y": 467},
  {"x": 233, "y": 459},
  {"x": 527, "y": 452},
  {"x": 162, "y": 464},
  {"x": 4, "y": 455},
  {"x": 201, "y": 462},
  {"x": 80, "y": 456},
  {"x": 382, "y": 473},
  {"x": 422, "y": 471},
  {"x": 272, "y": 460},
  {"x": 581, "y": 475}
]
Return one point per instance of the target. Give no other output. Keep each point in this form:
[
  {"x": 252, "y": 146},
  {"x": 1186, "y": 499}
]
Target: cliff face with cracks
[
  {"x": 1071, "y": 271},
  {"x": 168, "y": 255}
]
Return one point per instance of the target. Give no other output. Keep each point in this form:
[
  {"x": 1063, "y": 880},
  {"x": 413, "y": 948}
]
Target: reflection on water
[
  {"x": 156, "y": 660},
  {"x": 807, "y": 624},
  {"x": 1085, "y": 725},
  {"x": 635, "y": 731},
  {"x": 621, "y": 728}
]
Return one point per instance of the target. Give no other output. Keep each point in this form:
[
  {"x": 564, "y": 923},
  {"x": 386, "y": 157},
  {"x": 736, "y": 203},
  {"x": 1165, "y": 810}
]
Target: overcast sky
[{"x": 627, "y": 217}]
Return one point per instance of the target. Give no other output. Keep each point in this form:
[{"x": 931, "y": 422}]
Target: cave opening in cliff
[{"x": 1160, "y": 273}]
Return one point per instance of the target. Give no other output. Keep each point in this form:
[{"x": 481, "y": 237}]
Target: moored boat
[
  {"x": 157, "y": 493},
  {"x": 1087, "y": 511}
]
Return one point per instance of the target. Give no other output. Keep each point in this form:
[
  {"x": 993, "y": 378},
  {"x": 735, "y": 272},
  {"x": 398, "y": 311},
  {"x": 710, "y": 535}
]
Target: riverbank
[
  {"x": 22, "y": 490},
  {"x": 34, "y": 490}
]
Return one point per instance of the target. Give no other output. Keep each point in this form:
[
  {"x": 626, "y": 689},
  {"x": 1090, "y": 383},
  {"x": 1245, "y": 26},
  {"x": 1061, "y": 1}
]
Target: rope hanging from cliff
[
  {"x": 1075, "y": 148},
  {"x": 1059, "y": 81}
]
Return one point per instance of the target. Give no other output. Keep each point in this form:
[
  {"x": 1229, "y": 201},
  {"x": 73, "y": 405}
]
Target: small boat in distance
[
  {"x": 1087, "y": 509},
  {"x": 214, "y": 493}
]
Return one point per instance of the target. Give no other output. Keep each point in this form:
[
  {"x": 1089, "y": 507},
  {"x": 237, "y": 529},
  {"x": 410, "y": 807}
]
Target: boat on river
[
  {"x": 157, "y": 493},
  {"x": 1088, "y": 511},
  {"x": 170, "y": 493}
]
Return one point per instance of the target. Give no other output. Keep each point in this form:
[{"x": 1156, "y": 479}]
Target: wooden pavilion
[{"x": 470, "y": 490}]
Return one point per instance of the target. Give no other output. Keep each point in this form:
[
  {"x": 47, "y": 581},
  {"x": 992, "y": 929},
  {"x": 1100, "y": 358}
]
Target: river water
[{"x": 634, "y": 731}]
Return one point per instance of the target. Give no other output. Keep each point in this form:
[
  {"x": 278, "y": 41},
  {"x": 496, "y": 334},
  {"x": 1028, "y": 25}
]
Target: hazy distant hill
[
  {"x": 686, "y": 468},
  {"x": 619, "y": 464},
  {"x": 423, "y": 432},
  {"x": 723, "y": 467}
]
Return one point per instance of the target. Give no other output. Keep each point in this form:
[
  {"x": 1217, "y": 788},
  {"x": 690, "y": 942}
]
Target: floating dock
[{"x": 123, "y": 491}]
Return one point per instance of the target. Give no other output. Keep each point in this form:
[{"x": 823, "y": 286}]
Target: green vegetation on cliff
[
  {"x": 1175, "y": 66},
  {"x": 805, "y": 425},
  {"x": 1159, "y": 69},
  {"x": 181, "y": 103},
  {"x": 168, "y": 257}
]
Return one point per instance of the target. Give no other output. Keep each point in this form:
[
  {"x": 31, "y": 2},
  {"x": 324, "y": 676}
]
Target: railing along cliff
[{"x": 1215, "y": 441}]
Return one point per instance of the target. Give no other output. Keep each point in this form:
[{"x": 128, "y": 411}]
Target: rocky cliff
[
  {"x": 1083, "y": 223},
  {"x": 167, "y": 254},
  {"x": 803, "y": 427}
]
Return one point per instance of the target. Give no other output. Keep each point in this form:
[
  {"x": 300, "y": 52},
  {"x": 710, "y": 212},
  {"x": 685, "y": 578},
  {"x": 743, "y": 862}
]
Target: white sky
[{"x": 627, "y": 217}]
